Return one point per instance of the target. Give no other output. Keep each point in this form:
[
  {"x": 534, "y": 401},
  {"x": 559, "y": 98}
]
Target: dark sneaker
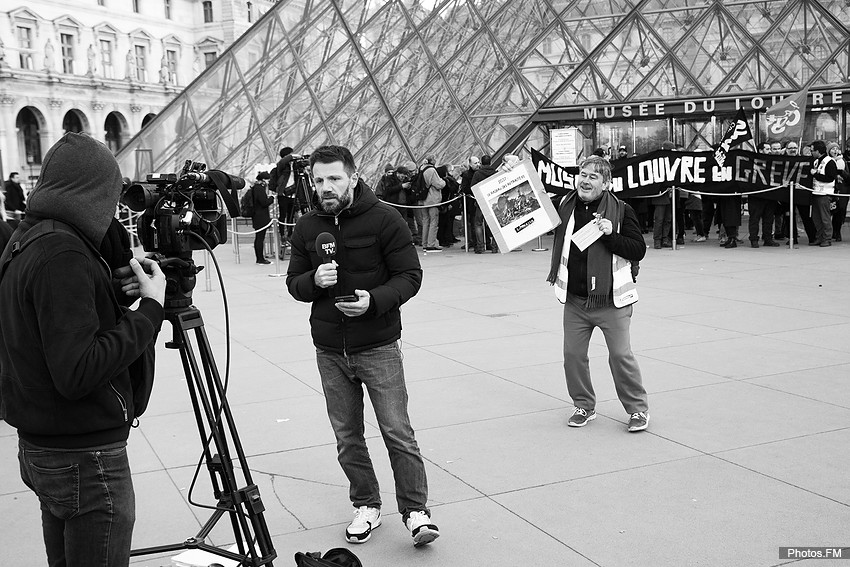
[
  {"x": 638, "y": 421},
  {"x": 365, "y": 520},
  {"x": 771, "y": 243},
  {"x": 433, "y": 249},
  {"x": 754, "y": 243},
  {"x": 581, "y": 416},
  {"x": 421, "y": 528}
]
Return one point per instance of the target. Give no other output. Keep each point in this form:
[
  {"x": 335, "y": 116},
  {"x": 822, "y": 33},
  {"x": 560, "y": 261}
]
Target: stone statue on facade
[
  {"x": 91, "y": 57},
  {"x": 49, "y": 57},
  {"x": 130, "y": 73}
]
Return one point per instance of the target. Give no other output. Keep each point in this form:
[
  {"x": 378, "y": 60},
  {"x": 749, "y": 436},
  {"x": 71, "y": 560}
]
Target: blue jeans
[
  {"x": 381, "y": 371},
  {"x": 88, "y": 506}
]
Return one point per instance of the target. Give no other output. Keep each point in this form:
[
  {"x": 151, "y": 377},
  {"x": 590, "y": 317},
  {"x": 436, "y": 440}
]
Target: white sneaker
[
  {"x": 421, "y": 528},
  {"x": 365, "y": 520}
]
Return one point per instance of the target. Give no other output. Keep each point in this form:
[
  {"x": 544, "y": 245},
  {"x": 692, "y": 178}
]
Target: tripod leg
[{"x": 215, "y": 422}]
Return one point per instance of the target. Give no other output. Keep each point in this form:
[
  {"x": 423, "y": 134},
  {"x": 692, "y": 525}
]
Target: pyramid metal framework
[{"x": 396, "y": 80}]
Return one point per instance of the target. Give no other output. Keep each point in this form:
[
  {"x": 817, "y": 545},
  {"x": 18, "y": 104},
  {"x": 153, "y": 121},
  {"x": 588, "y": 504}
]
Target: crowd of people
[{"x": 768, "y": 221}]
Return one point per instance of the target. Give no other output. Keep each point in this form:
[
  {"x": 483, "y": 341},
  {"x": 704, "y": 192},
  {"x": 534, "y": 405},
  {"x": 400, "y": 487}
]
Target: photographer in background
[
  {"x": 261, "y": 217},
  {"x": 282, "y": 182},
  {"x": 76, "y": 366}
]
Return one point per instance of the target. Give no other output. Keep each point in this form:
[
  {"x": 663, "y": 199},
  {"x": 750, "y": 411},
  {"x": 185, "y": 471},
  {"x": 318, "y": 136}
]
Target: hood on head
[{"x": 80, "y": 184}]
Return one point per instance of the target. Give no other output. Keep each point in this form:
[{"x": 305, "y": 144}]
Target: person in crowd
[
  {"x": 5, "y": 230},
  {"x": 15, "y": 201},
  {"x": 388, "y": 188},
  {"x": 486, "y": 170},
  {"x": 639, "y": 204},
  {"x": 429, "y": 215},
  {"x": 662, "y": 216},
  {"x": 282, "y": 183},
  {"x": 261, "y": 217},
  {"x": 597, "y": 287},
  {"x": 407, "y": 173},
  {"x": 839, "y": 210},
  {"x": 357, "y": 342},
  {"x": 824, "y": 173},
  {"x": 473, "y": 163},
  {"x": 761, "y": 212},
  {"x": 77, "y": 366},
  {"x": 803, "y": 211},
  {"x": 447, "y": 212},
  {"x": 682, "y": 197},
  {"x": 693, "y": 210}
]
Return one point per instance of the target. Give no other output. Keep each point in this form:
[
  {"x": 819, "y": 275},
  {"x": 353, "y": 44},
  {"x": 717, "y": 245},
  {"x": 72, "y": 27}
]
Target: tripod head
[{"x": 180, "y": 271}]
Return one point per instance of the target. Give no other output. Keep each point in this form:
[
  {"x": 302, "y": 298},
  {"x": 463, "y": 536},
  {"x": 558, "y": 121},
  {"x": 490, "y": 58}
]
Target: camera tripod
[{"x": 214, "y": 419}]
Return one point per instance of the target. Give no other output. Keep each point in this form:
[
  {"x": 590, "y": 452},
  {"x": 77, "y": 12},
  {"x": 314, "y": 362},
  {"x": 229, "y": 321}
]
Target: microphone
[{"x": 326, "y": 247}]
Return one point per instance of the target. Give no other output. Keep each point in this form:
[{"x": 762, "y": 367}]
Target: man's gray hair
[{"x": 599, "y": 165}]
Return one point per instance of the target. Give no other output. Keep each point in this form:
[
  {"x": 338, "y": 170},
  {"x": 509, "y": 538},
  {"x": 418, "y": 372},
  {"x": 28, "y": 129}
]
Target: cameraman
[{"x": 76, "y": 366}]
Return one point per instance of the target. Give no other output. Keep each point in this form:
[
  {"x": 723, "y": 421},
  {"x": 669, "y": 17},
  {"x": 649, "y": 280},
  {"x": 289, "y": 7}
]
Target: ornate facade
[{"x": 105, "y": 67}]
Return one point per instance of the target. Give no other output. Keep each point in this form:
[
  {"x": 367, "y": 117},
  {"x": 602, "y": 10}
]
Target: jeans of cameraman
[
  {"x": 380, "y": 370},
  {"x": 88, "y": 506}
]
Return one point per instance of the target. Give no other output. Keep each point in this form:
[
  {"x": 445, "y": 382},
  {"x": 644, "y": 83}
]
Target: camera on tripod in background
[
  {"x": 304, "y": 190},
  {"x": 181, "y": 213}
]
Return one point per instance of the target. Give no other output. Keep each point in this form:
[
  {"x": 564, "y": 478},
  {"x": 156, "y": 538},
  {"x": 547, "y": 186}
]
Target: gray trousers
[{"x": 579, "y": 323}]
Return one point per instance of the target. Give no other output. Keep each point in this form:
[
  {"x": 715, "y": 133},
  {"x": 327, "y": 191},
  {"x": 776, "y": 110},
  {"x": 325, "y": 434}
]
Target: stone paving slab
[{"x": 744, "y": 353}]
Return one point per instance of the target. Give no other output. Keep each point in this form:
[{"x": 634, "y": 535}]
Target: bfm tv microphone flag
[
  {"x": 786, "y": 118},
  {"x": 737, "y": 133}
]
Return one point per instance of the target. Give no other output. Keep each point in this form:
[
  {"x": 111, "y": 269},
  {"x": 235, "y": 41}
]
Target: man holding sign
[{"x": 596, "y": 246}]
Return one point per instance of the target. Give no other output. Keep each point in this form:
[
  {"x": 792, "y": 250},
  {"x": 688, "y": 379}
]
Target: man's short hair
[
  {"x": 486, "y": 159},
  {"x": 331, "y": 154},
  {"x": 668, "y": 145},
  {"x": 14, "y": 173},
  {"x": 470, "y": 158},
  {"x": 599, "y": 165},
  {"x": 820, "y": 146},
  {"x": 285, "y": 151}
]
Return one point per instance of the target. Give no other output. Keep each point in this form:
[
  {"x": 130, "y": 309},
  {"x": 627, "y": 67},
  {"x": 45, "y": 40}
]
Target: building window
[
  {"x": 167, "y": 5},
  {"x": 101, "y": 2},
  {"x": 171, "y": 64},
  {"x": 208, "y": 12},
  {"x": 141, "y": 63},
  {"x": 25, "y": 47},
  {"x": 209, "y": 59},
  {"x": 106, "y": 58},
  {"x": 67, "y": 41},
  {"x": 136, "y": 6},
  {"x": 30, "y": 136}
]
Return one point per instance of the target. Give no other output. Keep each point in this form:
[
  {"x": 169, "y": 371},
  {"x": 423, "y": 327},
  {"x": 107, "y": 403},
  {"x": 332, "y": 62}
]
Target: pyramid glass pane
[{"x": 399, "y": 79}]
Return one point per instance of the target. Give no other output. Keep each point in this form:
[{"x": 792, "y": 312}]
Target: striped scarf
[{"x": 601, "y": 263}]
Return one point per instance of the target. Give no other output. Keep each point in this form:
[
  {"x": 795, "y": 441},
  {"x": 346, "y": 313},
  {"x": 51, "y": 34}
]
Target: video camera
[{"x": 175, "y": 206}]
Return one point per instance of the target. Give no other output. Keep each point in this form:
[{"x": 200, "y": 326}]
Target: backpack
[
  {"x": 337, "y": 557},
  {"x": 418, "y": 190},
  {"x": 246, "y": 204}
]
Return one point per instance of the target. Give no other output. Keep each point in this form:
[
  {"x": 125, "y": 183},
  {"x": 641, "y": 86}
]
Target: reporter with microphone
[{"x": 354, "y": 260}]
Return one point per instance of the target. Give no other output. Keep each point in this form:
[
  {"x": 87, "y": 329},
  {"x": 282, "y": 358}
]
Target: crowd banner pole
[
  {"x": 236, "y": 242},
  {"x": 673, "y": 199},
  {"x": 465, "y": 227},
  {"x": 540, "y": 247},
  {"x": 235, "y": 239},
  {"x": 792, "y": 228},
  {"x": 276, "y": 244},
  {"x": 208, "y": 276}
]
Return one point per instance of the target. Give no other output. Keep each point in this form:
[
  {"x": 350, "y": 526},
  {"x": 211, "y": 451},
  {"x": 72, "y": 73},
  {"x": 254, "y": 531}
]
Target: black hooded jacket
[
  {"x": 71, "y": 356},
  {"x": 375, "y": 252}
]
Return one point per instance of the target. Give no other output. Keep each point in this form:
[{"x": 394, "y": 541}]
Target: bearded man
[{"x": 357, "y": 339}]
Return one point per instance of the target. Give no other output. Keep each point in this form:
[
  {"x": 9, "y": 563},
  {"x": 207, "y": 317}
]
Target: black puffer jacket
[
  {"x": 375, "y": 253},
  {"x": 71, "y": 357}
]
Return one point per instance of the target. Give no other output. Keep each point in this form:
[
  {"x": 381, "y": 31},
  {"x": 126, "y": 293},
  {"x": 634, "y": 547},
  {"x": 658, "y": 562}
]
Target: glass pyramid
[{"x": 396, "y": 80}]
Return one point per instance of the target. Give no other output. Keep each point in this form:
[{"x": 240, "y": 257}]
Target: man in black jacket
[
  {"x": 76, "y": 366},
  {"x": 357, "y": 339}
]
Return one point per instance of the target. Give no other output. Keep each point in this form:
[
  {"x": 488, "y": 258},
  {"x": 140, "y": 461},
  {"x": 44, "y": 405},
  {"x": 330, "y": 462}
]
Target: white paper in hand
[{"x": 587, "y": 235}]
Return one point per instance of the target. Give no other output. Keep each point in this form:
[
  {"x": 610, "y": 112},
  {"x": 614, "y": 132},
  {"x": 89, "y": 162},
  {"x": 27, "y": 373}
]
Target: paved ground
[{"x": 744, "y": 352}]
